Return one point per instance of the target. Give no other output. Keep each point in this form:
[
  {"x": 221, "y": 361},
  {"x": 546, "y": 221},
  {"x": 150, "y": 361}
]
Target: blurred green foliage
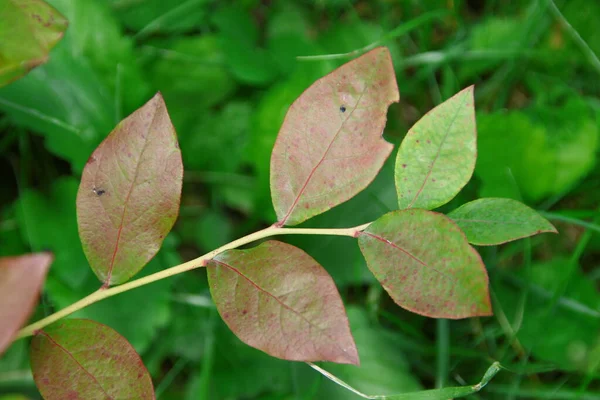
[{"x": 228, "y": 71}]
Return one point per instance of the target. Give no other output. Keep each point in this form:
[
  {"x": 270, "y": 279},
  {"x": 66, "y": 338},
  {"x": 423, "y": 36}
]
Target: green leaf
[
  {"x": 21, "y": 279},
  {"x": 494, "y": 221},
  {"x": 437, "y": 156},
  {"x": 129, "y": 194},
  {"x": 40, "y": 215},
  {"x": 190, "y": 73},
  {"x": 158, "y": 16},
  {"x": 76, "y": 99},
  {"x": 239, "y": 40},
  {"x": 96, "y": 38},
  {"x": 384, "y": 368},
  {"x": 536, "y": 152},
  {"x": 424, "y": 262},
  {"x": 492, "y": 34},
  {"x": 278, "y": 299},
  {"x": 330, "y": 147},
  {"x": 78, "y": 358},
  {"x": 30, "y": 29}
]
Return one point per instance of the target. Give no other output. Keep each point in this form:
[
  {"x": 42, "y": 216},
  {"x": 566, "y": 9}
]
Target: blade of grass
[
  {"x": 585, "y": 48},
  {"x": 563, "y": 394},
  {"x": 443, "y": 353},
  {"x": 170, "y": 377},
  {"x": 393, "y": 34},
  {"x": 433, "y": 394},
  {"x": 36, "y": 114},
  {"x": 575, "y": 221}
]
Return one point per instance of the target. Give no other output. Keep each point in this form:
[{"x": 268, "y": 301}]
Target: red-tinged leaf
[
  {"x": 437, "y": 157},
  {"x": 423, "y": 260},
  {"x": 21, "y": 279},
  {"x": 330, "y": 147},
  {"x": 277, "y": 298},
  {"x": 82, "y": 359},
  {"x": 128, "y": 199},
  {"x": 29, "y": 30}
]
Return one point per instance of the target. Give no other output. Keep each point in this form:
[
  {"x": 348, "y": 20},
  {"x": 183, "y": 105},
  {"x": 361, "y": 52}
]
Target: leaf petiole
[{"x": 104, "y": 293}]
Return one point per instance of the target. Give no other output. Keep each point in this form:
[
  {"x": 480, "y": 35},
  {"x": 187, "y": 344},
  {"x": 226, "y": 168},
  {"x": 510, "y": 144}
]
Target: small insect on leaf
[
  {"x": 330, "y": 146},
  {"x": 139, "y": 165}
]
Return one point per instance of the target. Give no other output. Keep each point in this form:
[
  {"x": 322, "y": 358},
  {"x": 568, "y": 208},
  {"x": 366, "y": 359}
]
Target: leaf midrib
[
  {"x": 282, "y": 304},
  {"x": 68, "y": 353}
]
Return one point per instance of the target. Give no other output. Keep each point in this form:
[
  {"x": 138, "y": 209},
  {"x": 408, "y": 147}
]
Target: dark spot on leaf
[
  {"x": 343, "y": 109},
  {"x": 98, "y": 192},
  {"x": 403, "y": 165},
  {"x": 244, "y": 312},
  {"x": 418, "y": 141}
]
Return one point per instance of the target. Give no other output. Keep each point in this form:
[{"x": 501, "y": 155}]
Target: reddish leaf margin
[
  {"x": 278, "y": 299},
  {"x": 21, "y": 279},
  {"x": 425, "y": 263},
  {"x": 83, "y": 359},
  {"x": 128, "y": 199},
  {"x": 330, "y": 146}
]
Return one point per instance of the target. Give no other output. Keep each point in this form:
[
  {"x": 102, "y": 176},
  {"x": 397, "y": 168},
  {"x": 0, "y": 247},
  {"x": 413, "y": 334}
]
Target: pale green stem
[{"x": 104, "y": 293}]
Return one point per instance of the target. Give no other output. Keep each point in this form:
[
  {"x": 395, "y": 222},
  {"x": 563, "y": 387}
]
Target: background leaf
[
  {"x": 93, "y": 80},
  {"x": 437, "y": 156},
  {"x": 30, "y": 28},
  {"x": 551, "y": 148},
  {"x": 493, "y": 221},
  {"x": 329, "y": 147},
  {"x": 128, "y": 199},
  {"x": 278, "y": 299},
  {"x": 95, "y": 360},
  {"x": 21, "y": 279},
  {"x": 443, "y": 279}
]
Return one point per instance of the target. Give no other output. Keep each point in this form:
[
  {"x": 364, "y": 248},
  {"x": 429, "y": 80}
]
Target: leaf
[
  {"x": 437, "y": 156},
  {"x": 239, "y": 37},
  {"x": 276, "y": 298},
  {"x": 158, "y": 16},
  {"x": 536, "y": 152},
  {"x": 38, "y": 216},
  {"x": 190, "y": 73},
  {"x": 21, "y": 279},
  {"x": 267, "y": 120},
  {"x": 330, "y": 147},
  {"x": 494, "y": 221},
  {"x": 92, "y": 81},
  {"x": 425, "y": 263},
  {"x": 129, "y": 194},
  {"x": 95, "y": 37},
  {"x": 82, "y": 359},
  {"x": 30, "y": 29}
]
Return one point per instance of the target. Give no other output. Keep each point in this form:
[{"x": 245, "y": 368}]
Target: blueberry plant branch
[{"x": 104, "y": 293}]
